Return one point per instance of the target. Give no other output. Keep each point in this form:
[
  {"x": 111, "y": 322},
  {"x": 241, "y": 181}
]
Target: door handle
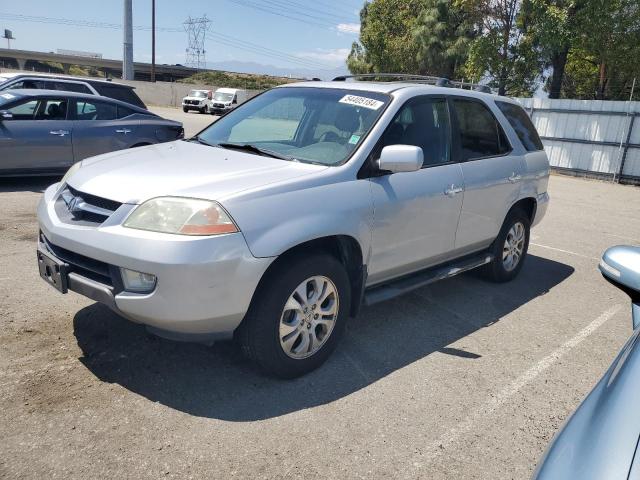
[
  {"x": 515, "y": 178},
  {"x": 123, "y": 130},
  {"x": 452, "y": 190},
  {"x": 59, "y": 133}
]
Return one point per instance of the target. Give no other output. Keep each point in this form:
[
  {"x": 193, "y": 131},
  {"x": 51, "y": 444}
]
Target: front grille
[
  {"x": 85, "y": 266},
  {"x": 79, "y": 208},
  {"x": 218, "y": 105}
]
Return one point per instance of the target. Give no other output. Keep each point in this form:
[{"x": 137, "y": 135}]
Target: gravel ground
[{"x": 461, "y": 379}]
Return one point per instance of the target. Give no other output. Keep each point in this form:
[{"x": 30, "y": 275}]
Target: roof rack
[{"x": 424, "y": 79}]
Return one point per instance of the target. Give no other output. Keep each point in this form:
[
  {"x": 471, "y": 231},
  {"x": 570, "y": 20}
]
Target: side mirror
[
  {"x": 401, "y": 158},
  {"x": 620, "y": 266},
  {"x": 5, "y": 115}
]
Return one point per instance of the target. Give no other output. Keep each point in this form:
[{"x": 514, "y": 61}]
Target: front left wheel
[{"x": 298, "y": 315}]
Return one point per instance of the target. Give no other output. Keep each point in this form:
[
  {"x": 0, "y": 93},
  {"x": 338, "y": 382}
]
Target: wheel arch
[
  {"x": 345, "y": 248},
  {"x": 528, "y": 204}
]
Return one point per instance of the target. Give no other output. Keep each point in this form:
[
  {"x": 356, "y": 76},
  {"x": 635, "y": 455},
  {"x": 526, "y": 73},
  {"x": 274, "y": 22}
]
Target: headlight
[
  {"x": 183, "y": 216},
  {"x": 74, "y": 168}
]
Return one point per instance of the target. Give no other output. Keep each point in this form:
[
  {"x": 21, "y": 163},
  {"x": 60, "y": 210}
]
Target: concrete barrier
[{"x": 161, "y": 94}]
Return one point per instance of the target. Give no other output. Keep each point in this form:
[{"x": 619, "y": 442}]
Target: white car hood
[
  {"x": 200, "y": 99},
  {"x": 181, "y": 168}
]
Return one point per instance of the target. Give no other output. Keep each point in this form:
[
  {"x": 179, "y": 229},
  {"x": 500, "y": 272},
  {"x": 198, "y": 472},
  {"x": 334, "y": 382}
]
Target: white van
[
  {"x": 226, "y": 99},
  {"x": 199, "y": 100}
]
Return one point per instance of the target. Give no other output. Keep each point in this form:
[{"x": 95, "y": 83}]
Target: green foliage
[
  {"x": 585, "y": 48},
  {"x": 386, "y": 38},
  {"x": 443, "y": 34},
  {"x": 237, "y": 80}
]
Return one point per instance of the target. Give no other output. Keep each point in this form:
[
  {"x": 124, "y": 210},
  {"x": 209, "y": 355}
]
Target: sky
[{"x": 283, "y": 33}]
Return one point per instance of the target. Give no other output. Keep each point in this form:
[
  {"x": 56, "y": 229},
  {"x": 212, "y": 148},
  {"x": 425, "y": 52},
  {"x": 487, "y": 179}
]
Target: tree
[
  {"x": 501, "y": 52},
  {"x": 443, "y": 34},
  {"x": 553, "y": 27},
  {"x": 386, "y": 38},
  {"x": 610, "y": 37}
]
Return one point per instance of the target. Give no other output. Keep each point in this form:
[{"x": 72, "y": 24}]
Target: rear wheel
[
  {"x": 297, "y": 316},
  {"x": 509, "y": 248}
]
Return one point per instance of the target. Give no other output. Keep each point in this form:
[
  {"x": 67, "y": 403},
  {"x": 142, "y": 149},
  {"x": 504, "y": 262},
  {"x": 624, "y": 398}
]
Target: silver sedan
[{"x": 45, "y": 131}]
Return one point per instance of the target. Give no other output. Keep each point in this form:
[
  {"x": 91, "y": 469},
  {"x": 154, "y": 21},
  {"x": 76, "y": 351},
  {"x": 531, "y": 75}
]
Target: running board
[{"x": 410, "y": 282}]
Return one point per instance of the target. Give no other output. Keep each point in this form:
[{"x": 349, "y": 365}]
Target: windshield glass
[
  {"x": 223, "y": 97},
  {"x": 318, "y": 125},
  {"x": 197, "y": 93},
  {"x": 6, "y": 98}
]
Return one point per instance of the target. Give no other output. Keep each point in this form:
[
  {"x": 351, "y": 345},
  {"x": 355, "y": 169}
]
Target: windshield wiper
[
  {"x": 199, "y": 140},
  {"x": 252, "y": 148}
]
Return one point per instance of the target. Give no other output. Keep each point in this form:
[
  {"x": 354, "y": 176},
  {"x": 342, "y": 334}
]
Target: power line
[
  {"x": 212, "y": 36},
  {"x": 266, "y": 9}
]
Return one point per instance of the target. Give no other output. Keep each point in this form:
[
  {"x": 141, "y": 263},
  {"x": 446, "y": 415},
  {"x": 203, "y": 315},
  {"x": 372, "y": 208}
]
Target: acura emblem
[{"x": 73, "y": 205}]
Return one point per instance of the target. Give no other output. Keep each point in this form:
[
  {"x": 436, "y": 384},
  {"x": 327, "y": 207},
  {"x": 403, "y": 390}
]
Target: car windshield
[
  {"x": 223, "y": 97},
  {"x": 6, "y": 98},
  {"x": 197, "y": 93},
  {"x": 307, "y": 124}
]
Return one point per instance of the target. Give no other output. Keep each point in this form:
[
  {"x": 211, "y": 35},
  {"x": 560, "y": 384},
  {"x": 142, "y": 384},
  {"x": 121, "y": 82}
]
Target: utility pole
[
  {"x": 127, "y": 47},
  {"x": 153, "y": 40}
]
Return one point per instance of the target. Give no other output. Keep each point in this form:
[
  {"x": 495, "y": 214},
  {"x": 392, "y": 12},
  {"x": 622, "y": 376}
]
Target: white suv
[{"x": 278, "y": 221}]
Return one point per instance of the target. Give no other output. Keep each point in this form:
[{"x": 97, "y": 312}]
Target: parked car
[
  {"x": 45, "y": 131},
  {"x": 278, "y": 221},
  {"x": 199, "y": 100},
  {"x": 226, "y": 99},
  {"x": 600, "y": 440},
  {"x": 90, "y": 86}
]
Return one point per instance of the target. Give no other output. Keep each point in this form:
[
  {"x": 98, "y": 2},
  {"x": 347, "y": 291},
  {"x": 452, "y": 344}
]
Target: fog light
[{"x": 137, "y": 281}]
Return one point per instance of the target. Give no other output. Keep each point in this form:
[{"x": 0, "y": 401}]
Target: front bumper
[{"x": 204, "y": 286}]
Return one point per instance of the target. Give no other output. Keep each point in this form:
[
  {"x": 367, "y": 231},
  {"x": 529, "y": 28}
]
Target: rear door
[
  {"x": 38, "y": 137},
  {"x": 492, "y": 174},
  {"x": 97, "y": 128}
]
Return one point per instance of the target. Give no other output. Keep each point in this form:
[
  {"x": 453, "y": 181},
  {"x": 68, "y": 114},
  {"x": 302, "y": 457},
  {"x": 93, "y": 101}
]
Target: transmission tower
[{"x": 196, "y": 29}]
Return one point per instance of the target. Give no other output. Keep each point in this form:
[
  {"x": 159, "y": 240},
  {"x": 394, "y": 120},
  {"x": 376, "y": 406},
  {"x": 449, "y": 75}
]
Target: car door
[
  {"x": 37, "y": 137},
  {"x": 416, "y": 213},
  {"x": 491, "y": 173},
  {"x": 97, "y": 128}
]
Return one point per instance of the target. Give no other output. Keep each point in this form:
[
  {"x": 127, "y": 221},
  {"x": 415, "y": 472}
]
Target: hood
[
  {"x": 194, "y": 98},
  {"x": 181, "y": 168}
]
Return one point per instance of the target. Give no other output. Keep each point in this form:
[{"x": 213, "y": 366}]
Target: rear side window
[
  {"x": 124, "y": 111},
  {"x": 68, "y": 87},
  {"x": 28, "y": 83},
  {"x": 90, "y": 110},
  {"x": 119, "y": 93},
  {"x": 522, "y": 124},
  {"x": 480, "y": 133}
]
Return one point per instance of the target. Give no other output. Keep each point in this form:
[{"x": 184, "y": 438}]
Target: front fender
[{"x": 276, "y": 222}]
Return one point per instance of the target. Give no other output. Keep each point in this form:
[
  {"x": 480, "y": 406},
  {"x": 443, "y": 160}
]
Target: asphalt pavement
[{"x": 462, "y": 379}]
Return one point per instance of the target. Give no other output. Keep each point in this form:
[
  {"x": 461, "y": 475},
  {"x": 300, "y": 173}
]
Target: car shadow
[
  {"x": 216, "y": 382},
  {"x": 27, "y": 184}
]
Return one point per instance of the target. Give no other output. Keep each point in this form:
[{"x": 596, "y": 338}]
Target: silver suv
[{"x": 277, "y": 222}]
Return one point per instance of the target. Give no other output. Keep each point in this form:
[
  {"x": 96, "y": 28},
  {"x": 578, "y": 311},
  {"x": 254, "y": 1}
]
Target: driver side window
[{"x": 423, "y": 122}]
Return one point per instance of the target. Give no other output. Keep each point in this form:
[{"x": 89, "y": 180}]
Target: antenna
[{"x": 196, "y": 29}]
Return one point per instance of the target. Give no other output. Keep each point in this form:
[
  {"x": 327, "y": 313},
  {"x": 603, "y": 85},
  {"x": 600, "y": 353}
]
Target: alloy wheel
[{"x": 308, "y": 317}]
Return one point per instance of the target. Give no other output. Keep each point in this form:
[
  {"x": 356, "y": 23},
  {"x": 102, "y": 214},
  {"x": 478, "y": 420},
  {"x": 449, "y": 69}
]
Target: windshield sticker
[
  {"x": 354, "y": 139},
  {"x": 8, "y": 96},
  {"x": 362, "y": 102}
]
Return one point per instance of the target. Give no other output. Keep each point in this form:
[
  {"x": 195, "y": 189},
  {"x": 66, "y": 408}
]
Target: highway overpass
[{"x": 28, "y": 60}]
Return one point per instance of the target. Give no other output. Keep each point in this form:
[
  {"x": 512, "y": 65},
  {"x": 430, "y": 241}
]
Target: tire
[
  {"x": 203, "y": 109},
  {"x": 273, "y": 336},
  {"x": 185, "y": 110},
  {"x": 512, "y": 243}
]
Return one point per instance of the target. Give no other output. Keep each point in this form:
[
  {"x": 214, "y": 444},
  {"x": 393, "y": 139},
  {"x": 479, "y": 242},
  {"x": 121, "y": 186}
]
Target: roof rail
[{"x": 411, "y": 78}]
